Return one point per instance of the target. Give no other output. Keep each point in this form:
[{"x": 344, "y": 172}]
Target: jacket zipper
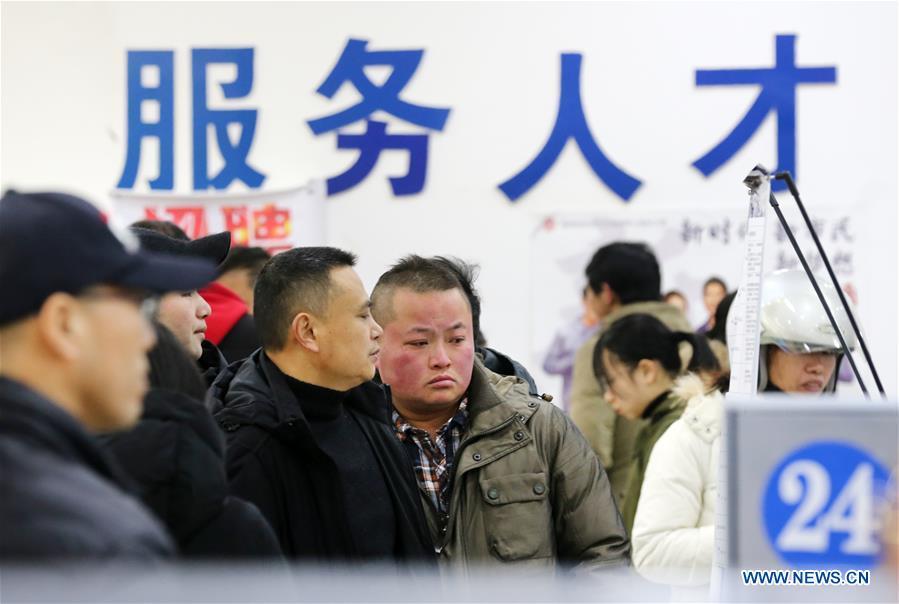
[{"x": 454, "y": 498}]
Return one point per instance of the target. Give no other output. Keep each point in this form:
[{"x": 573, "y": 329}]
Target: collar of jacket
[
  {"x": 165, "y": 405},
  {"x": 257, "y": 394},
  {"x": 28, "y": 414},
  {"x": 668, "y": 314},
  {"x": 500, "y": 407}
]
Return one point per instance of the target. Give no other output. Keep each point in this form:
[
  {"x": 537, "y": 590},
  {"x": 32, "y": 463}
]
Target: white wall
[{"x": 497, "y": 67}]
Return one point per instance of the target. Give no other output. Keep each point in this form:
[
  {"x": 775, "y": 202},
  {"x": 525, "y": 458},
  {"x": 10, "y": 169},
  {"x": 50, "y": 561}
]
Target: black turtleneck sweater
[{"x": 337, "y": 432}]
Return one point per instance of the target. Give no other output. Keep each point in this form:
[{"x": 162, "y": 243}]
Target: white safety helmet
[{"x": 793, "y": 319}]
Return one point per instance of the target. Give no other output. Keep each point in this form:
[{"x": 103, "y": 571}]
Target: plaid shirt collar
[{"x": 459, "y": 421}]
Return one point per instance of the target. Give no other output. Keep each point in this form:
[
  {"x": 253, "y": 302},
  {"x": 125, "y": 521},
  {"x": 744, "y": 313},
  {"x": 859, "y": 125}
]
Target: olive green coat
[
  {"x": 610, "y": 435},
  {"x": 660, "y": 419},
  {"x": 527, "y": 488}
]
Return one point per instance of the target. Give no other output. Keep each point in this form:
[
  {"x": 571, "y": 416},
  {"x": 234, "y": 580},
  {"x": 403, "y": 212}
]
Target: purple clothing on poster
[{"x": 559, "y": 359}]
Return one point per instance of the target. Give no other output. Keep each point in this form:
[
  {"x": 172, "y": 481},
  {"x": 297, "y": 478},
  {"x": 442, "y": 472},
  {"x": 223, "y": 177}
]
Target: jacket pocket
[{"x": 517, "y": 516}]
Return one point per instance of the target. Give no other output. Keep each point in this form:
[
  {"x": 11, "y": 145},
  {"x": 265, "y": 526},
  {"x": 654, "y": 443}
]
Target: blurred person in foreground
[
  {"x": 176, "y": 455},
  {"x": 504, "y": 476},
  {"x": 309, "y": 435},
  {"x": 73, "y": 344},
  {"x": 624, "y": 279}
]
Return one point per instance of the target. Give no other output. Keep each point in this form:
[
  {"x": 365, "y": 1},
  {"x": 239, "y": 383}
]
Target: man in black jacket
[
  {"x": 73, "y": 344},
  {"x": 309, "y": 434}
]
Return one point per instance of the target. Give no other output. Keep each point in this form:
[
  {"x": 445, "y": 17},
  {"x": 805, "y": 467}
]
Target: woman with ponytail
[{"x": 637, "y": 361}]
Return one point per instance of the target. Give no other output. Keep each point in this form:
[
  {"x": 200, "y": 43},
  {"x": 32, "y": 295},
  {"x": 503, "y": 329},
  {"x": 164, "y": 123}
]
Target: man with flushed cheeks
[
  {"x": 504, "y": 476},
  {"x": 309, "y": 435}
]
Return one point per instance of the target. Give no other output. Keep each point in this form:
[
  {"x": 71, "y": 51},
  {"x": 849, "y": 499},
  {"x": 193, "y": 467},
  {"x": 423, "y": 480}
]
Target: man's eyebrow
[
  {"x": 365, "y": 305},
  {"x": 419, "y": 330}
]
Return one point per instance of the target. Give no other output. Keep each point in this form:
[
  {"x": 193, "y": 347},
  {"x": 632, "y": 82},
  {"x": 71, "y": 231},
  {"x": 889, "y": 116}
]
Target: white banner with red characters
[{"x": 276, "y": 221}]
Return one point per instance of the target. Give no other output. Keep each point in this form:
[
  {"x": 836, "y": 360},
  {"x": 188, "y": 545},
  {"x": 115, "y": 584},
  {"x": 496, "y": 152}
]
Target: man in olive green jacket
[
  {"x": 623, "y": 279},
  {"x": 505, "y": 477}
]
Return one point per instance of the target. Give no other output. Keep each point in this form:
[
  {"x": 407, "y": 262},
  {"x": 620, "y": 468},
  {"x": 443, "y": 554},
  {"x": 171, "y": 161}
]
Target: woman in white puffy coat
[{"x": 673, "y": 534}]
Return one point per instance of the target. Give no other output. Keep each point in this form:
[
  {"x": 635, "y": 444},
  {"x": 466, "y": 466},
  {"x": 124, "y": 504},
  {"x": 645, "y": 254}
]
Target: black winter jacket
[
  {"x": 60, "y": 496},
  {"x": 176, "y": 454},
  {"x": 274, "y": 461}
]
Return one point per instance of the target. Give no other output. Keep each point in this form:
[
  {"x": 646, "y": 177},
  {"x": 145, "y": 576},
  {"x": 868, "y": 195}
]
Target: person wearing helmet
[{"x": 800, "y": 351}]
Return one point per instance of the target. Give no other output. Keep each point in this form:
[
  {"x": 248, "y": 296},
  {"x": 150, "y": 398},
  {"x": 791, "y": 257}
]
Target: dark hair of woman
[
  {"x": 172, "y": 368},
  {"x": 635, "y": 337},
  {"x": 719, "y": 331}
]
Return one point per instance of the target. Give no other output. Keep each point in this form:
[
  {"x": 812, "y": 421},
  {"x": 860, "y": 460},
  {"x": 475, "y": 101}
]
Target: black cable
[
  {"x": 791, "y": 185},
  {"x": 808, "y": 271}
]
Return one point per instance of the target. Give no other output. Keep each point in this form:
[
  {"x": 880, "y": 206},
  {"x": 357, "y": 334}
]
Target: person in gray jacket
[{"x": 504, "y": 476}]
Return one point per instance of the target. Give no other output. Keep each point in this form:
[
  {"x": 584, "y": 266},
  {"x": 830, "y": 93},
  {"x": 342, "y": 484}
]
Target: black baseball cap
[
  {"x": 55, "y": 242},
  {"x": 212, "y": 247}
]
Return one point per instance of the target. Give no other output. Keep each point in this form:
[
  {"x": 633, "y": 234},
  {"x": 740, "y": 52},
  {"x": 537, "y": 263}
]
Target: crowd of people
[{"x": 164, "y": 397}]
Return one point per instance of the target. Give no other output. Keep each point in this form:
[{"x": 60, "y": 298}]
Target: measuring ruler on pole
[
  {"x": 743, "y": 331},
  {"x": 743, "y": 326}
]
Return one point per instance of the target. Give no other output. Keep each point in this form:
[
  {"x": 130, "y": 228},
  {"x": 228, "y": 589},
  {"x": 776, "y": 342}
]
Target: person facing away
[
  {"x": 176, "y": 456},
  {"x": 308, "y": 433},
  {"x": 637, "y": 361},
  {"x": 624, "y": 279},
  {"x": 231, "y": 326},
  {"x": 185, "y": 313},
  {"x": 504, "y": 476},
  {"x": 73, "y": 343}
]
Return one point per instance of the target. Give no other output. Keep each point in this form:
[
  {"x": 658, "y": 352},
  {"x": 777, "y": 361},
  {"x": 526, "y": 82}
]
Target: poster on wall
[
  {"x": 276, "y": 221},
  {"x": 691, "y": 247}
]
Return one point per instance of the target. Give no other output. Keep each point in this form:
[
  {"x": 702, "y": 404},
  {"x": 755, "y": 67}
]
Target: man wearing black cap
[{"x": 73, "y": 343}]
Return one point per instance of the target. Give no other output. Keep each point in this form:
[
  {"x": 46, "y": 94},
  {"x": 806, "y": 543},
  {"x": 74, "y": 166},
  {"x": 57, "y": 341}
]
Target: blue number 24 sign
[{"x": 822, "y": 506}]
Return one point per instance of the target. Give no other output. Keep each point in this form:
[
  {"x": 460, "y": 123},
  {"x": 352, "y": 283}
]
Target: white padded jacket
[{"x": 673, "y": 534}]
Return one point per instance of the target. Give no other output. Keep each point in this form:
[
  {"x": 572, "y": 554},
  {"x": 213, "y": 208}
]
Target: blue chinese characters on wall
[
  {"x": 145, "y": 89},
  {"x": 571, "y": 123},
  {"x": 778, "y": 94},
  {"x": 350, "y": 68}
]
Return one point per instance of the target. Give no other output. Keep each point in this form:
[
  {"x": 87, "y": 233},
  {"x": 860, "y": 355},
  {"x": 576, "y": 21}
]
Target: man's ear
[
  {"x": 304, "y": 331},
  {"x": 61, "y": 326},
  {"x": 607, "y": 295}
]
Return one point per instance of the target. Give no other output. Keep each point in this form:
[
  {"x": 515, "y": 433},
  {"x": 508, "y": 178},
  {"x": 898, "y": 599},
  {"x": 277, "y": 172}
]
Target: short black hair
[
  {"x": 719, "y": 331},
  {"x": 630, "y": 270},
  {"x": 640, "y": 336},
  {"x": 249, "y": 258},
  {"x": 714, "y": 281},
  {"x": 162, "y": 226},
  {"x": 294, "y": 281},
  {"x": 419, "y": 274}
]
